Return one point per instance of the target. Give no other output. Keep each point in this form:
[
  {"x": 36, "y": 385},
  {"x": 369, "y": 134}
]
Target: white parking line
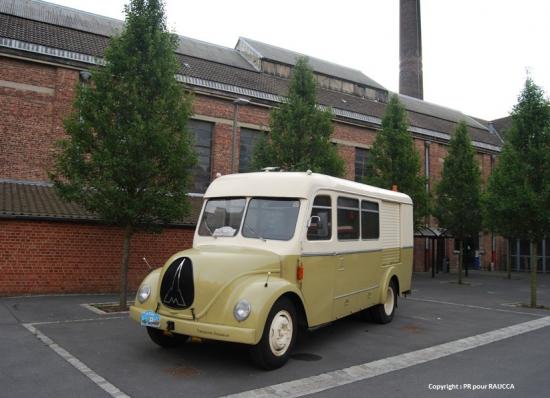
[
  {"x": 79, "y": 365},
  {"x": 77, "y": 320},
  {"x": 477, "y": 307},
  {"x": 337, "y": 378}
]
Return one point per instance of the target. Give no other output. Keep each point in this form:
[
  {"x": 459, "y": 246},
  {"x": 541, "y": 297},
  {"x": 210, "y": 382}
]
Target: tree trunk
[
  {"x": 509, "y": 261},
  {"x": 534, "y": 262},
  {"x": 128, "y": 232},
  {"x": 460, "y": 258}
]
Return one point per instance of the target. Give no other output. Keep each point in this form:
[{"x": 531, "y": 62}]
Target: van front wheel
[
  {"x": 383, "y": 313},
  {"x": 278, "y": 337}
]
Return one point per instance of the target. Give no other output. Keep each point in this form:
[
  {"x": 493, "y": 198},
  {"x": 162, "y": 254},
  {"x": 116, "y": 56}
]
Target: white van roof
[{"x": 294, "y": 185}]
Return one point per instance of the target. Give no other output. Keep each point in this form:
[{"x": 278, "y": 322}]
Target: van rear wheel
[
  {"x": 278, "y": 337},
  {"x": 383, "y": 313}
]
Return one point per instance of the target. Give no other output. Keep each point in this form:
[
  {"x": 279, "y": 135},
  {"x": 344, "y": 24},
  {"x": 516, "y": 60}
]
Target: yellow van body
[{"x": 336, "y": 248}]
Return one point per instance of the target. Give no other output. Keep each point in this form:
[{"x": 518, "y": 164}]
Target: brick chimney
[{"x": 410, "y": 49}]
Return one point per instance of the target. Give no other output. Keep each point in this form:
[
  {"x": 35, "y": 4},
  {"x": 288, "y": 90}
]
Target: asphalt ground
[{"x": 443, "y": 335}]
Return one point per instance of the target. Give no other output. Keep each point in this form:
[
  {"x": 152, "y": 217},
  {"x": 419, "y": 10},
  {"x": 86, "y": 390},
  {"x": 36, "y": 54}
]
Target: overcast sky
[{"x": 476, "y": 53}]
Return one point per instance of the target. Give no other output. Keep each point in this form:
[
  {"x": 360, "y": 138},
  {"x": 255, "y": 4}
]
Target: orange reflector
[{"x": 300, "y": 272}]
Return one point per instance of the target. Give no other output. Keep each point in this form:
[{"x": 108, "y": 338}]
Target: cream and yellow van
[{"x": 277, "y": 251}]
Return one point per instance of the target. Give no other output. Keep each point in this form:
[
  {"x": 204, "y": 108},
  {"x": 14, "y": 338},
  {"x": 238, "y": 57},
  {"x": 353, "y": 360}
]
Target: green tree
[
  {"x": 395, "y": 161},
  {"x": 517, "y": 201},
  {"x": 128, "y": 156},
  {"x": 458, "y": 202},
  {"x": 300, "y": 131}
]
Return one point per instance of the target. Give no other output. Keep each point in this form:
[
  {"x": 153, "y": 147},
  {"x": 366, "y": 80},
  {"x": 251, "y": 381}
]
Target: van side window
[
  {"x": 320, "y": 224},
  {"x": 348, "y": 218},
  {"x": 370, "y": 220}
]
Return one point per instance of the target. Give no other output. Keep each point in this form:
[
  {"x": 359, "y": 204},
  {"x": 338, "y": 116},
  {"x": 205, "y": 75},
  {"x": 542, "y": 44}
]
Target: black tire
[
  {"x": 271, "y": 352},
  {"x": 383, "y": 313},
  {"x": 166, "y": 339}
]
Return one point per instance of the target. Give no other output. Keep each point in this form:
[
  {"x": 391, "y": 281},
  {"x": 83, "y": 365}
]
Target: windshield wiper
[{"x": 254, "y": 232}]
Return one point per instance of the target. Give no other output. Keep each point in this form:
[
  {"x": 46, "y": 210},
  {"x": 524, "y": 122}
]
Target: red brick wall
[
  {"x": 57, "y": 257},
  {"x": 221, "y": 150},
  {"x": 348, "y": 154},
  {"x": 438, "y": 153},
  {"x": 31, "y": 122},
  {"x": 352, "y": 133}
]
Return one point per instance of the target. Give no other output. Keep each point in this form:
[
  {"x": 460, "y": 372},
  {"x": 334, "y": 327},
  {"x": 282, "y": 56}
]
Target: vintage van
[{"x": 277, "y": 251}]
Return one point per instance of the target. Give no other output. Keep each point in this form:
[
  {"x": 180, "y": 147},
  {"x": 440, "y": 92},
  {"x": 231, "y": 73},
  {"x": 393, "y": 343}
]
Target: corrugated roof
[
  {"x": 52, "y": 17},
  {"x": 39, "y": 200},
  {"x": 52, "y": 36},
  {"x": 502, "y": 124},
  {"x": 289, "y": 57},
  {"x": 216, "y": 64},
  {"x": 212, "y": 52},
  {"x": 442, "y": 112},
  {"x": 55, "y": 14}
]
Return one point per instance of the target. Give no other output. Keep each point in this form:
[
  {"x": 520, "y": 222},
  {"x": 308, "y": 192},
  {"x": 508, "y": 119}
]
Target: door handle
[{"x": 340, "y": 264}]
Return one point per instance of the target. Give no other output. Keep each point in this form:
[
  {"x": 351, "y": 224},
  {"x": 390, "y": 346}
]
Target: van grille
[{"x": 177, "y": 289}]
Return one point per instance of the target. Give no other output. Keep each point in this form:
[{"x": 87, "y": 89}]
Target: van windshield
[
  {"x": 271, "y": 218},
  {"x": 222, "y": 217},
  {"x": 266, "y": 218}
]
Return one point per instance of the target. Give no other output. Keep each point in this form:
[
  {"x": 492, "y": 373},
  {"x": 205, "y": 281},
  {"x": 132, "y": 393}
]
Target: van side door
[{"x": 318, "y": 260}]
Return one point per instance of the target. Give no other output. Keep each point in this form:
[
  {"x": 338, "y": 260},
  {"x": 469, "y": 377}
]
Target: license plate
[{"x": 151, "y": 319}]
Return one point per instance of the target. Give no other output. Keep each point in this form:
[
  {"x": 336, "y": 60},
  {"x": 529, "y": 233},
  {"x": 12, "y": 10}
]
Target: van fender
[
  {"x": 261, "y": 293},
  {"x": 152, "y": 279},
  {"x": 388, "y": 273}
]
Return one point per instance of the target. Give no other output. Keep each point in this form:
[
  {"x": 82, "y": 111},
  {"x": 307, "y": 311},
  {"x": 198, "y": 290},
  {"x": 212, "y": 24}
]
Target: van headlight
[
  {"x": 242, "y": 310},
  {"x": 143, "y": 293}
]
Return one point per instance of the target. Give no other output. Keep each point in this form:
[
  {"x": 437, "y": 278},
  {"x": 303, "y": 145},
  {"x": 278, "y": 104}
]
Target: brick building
[{"x": 47, "y": 245}]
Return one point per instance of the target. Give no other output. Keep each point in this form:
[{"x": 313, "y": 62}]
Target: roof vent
[{"x": 272, "y": 168}]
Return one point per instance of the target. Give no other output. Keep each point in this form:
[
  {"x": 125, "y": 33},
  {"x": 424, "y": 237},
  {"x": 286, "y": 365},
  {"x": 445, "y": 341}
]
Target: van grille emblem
[
  {"x": 174, "y": 295},
  {"x": 177, "y": 288}
]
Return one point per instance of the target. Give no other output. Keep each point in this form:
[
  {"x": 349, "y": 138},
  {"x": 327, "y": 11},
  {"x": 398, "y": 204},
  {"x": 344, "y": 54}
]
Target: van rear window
[
  {"x": 348, "y": 218},
  {"x": 370, "y": 220}
]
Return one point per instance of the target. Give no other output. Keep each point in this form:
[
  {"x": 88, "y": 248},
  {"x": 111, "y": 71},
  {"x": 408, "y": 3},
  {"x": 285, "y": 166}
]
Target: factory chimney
[{"x": 410, "y": 49}]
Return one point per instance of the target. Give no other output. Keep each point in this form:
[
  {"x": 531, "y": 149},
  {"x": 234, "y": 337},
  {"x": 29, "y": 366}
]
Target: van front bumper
[{"x": 199, "y": 329}]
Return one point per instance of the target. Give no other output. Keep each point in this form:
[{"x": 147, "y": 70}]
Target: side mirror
[{"x": 314, "y": 221}]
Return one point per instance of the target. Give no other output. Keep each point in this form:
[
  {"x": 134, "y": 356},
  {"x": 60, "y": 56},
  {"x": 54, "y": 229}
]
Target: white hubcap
[
  {"x": 280, "y": 333},
  {"x": 390, "y": 301}
]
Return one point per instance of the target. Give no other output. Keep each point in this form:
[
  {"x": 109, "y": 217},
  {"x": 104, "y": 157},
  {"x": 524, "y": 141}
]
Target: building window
[
  {"x": 249, "y": 140},
  {"x": 520, "y": 255},
  {"x": 202, "y": 135},
  {"x": 320, "y": 224},
  {"x": 370, "y": 220},
  {"x": 348, "y": 218},
  {"x": 362, "y": 158}
]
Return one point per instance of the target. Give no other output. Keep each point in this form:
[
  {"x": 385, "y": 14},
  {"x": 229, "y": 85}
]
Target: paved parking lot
[{"x": 444, "y": 336}]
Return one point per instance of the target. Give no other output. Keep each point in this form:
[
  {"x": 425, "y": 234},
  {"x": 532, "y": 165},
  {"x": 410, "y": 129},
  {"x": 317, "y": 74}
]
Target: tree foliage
[
  {"x": 300, "y": 131},
  {"x": 395, "y": 161},
  {"x": 517, "y": 202},
  {"x": 128, "y": 156},
  {"x": 458, "y": 202}
]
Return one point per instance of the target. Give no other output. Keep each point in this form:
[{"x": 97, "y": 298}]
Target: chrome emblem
[{"x": 174, "y": 295}]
